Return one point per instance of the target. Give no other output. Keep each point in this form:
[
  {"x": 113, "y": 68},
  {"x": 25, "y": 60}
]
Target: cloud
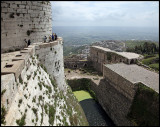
[{"x": 105, "y": 13}]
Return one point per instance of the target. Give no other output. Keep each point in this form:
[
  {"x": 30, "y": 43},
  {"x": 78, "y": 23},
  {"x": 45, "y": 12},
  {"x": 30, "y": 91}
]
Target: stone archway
[{"x": 132, "y": 61}]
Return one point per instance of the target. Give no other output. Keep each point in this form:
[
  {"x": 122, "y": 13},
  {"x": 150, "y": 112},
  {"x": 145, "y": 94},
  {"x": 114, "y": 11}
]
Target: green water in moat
[
  {"x": 95, "y": 114},
  {"x": 82, "y": 95}
]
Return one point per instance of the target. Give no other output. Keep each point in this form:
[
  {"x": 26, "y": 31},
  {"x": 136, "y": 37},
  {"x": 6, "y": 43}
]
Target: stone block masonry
[
  {"x": 24, "y": 20},
  {"x": 51, "y": 56},
  {"x": 15, "y": 66}
]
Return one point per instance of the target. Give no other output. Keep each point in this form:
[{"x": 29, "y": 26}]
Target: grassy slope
[
  {"x": 133, "y": 43},
  {"x": 82, "y": 95},
  {"x": 151, "y": 62}
]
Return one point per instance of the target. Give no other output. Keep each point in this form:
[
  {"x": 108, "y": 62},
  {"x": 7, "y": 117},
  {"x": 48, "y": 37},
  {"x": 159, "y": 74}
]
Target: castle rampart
[{"x": 13, "y": 68}]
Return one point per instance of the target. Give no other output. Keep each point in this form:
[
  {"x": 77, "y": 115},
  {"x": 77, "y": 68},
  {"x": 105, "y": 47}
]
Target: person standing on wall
[
  {"x": 55, "y": 36},
  {"x": 45, "y": 38},
  {"x": 29, "y": 42},
  {"x": 50, "y": 38}
]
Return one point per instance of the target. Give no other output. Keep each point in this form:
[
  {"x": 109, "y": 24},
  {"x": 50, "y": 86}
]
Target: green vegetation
[
  {"x": 3, "y": 113},
  {"x": 78, "y": 119},
  {"x": 82, "y": 84},
  {"x": 40, "y": 85},
  {"x": 133, "y": 43},
  {"x": 82, "y": 95},
  {"x": 35, "y": 112},
  {"x": 20, "y": 79},
  {"x": 149, "y": 49},
  {"x": 3, "y": 91},
  {"x": 20, "y": 101},
  {"x": 74, "y": 50},
  {"x": 145, "y": 107},
  {"x": 51, "y": 114},
  {"x": 44, "y": 67},
  {"x": 34, "y": 99},
  {"x": 151, "y": 61},
  {"x": 28, "y": 77},
  {"x": 45, "y": 108},
  {"x": 144, "y": 48},
  {"x": 109, "y": 56},
  {"x": 21, "y": 122}
]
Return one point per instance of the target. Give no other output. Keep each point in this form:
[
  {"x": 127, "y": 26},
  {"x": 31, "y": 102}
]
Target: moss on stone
[
  {"x": 144, "y": 110},
  {"x": 85, "y": 84}
]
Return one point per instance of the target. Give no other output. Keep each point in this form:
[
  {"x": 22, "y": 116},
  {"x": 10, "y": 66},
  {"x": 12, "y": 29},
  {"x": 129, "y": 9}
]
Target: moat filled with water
[{"x": 95, "y": 114}]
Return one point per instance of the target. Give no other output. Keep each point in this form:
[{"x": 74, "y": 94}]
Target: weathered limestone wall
[
  {"x": 11, "y": 76},
  {"x": 51, "y": 56},
  {"x": 10, "y": 87},
  {"x": 24, "y": 20},
  {"x": 113, "y": 102}
]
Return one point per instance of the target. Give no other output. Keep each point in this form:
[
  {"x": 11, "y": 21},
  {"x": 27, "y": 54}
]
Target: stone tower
[{"x": 24, "y": 20}]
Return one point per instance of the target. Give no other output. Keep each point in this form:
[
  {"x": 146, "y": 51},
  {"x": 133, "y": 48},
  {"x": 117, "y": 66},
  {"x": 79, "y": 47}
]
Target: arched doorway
[{"x": 132, "y": 61}]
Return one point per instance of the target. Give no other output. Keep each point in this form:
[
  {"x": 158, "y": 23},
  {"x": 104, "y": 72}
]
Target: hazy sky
[{"x": 105, "y": 13}]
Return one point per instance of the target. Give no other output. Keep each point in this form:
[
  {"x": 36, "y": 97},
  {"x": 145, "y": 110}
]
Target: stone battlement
[
  {"x": 15, "y": 64},
  {"x": 18, "y": 61}
]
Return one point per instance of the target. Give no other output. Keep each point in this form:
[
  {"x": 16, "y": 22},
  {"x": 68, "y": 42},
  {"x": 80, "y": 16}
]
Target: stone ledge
[
  {"x": 15, "y": 67},
  {"x": 22, "y": 56},
  {"x": 27, "y": 50},
  {"x": 53, "y": 43}
]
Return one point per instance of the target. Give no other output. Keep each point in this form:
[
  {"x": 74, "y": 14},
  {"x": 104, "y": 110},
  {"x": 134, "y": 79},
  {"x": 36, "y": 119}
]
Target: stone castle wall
[
  {"x": 51, "y": 56},
  {"x": 77, "y": 64},
  {"x": 113, "y": 101},
  {"x": 24, "y": 20},
  {"x": 100, "y": 57}
]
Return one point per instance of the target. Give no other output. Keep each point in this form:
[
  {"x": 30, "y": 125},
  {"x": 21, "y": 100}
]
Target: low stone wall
[{"x": 77, "y": 64}]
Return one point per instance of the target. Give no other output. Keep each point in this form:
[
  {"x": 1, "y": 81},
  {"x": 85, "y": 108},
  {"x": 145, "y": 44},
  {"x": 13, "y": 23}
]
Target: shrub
[
  {"x": 20, "y": 79},
  {"x": 3, "y": 113},
  {"x": 45, "y": 108},
  {"x": 28, "y": 77},
  {"x": 40, "y": 85},
  {"x": 35, "y": 111},
  {"x": 3, "y": 91},
  {"x": 51, "y": 114},
  {"x": 40, "y": 98},
  {"x": 21, "y": 122},
  {"x": 34, "y": 99}
]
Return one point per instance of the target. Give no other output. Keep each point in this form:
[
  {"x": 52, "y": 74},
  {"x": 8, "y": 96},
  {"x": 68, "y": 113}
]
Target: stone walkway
[{"x": 135, "y": 74}]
